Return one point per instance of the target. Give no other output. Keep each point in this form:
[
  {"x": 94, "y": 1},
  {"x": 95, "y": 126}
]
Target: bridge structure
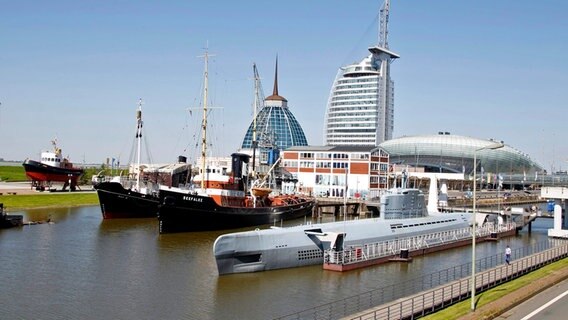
[
  {"x": 488, "y": 181},
  {"x": 560, "y": 197}
]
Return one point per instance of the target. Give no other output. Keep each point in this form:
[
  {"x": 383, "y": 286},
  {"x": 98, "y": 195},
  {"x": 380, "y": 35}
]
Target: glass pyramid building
[{"x": 276, "y": 126}]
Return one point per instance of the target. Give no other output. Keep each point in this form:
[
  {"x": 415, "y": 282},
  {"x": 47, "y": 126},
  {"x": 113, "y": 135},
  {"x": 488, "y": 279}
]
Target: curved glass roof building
[
  {"x": 276, "y": 126},
  {"x": 452, "y": 153}
]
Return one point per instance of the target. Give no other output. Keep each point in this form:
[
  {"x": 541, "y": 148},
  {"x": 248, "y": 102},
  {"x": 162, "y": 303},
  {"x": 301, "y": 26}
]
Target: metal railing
[
  {"x": 433, "y": 300},
  {"x": 375, "y": 250},
  {"x": 380, "y": 296}
]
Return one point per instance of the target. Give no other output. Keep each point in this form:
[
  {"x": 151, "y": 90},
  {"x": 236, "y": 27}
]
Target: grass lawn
[
  {"x": 28, "y": 201},
  {"x": 463, "y": 308},
  {"x": 12, "y": 173}
]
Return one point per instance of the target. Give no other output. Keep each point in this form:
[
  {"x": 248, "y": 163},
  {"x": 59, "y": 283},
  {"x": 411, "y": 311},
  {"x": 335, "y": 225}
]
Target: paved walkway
[
  {"x": 437, "y": 298},
  {"x": 18, "y": 188},
  {"x": 501, "y": 306},
  {"x": 7, "y": 188}
]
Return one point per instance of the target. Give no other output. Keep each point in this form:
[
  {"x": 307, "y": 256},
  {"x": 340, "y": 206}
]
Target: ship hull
[
  {"x": 184, "y": 212},
  {"x": 270, "y": 249},
  {"x": 38, "y": 171},
  {"x": 116, "y": 202},
  {"x": 9, "y": 220}
]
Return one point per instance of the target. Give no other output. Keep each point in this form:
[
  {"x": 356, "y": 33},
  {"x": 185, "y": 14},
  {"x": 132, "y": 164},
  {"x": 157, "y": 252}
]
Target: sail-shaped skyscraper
[{"x": 360, "y": 109}]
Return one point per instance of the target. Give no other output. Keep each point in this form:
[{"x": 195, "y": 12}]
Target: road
[
  {"x": 7, "y": 188},
  {"x": 19, "y": 188},
  {"x": 549, "y": 304}
]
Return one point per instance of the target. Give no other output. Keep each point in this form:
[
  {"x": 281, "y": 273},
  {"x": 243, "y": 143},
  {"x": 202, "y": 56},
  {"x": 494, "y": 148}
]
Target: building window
[
  {"x": 323, "y": 164},
  {"x": 340, "y": 165},
  {"x": 306, "y": 164}
]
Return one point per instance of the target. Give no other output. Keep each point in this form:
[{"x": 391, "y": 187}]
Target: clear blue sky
[{"x": 76, "y": 69}]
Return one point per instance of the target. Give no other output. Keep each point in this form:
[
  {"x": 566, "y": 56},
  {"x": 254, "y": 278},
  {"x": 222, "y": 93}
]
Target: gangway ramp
[{"x": 367, "y": 254}]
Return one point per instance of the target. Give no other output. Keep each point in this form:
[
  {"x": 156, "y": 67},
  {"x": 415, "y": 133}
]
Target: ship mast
[
  {"x": 139, "y": 139},
  {"x": 204, "y": 122},
  {"x": 256, "y": 94}
]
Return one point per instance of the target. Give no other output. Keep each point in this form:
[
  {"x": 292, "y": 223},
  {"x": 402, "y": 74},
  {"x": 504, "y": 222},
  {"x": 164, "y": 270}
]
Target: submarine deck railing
[
  {"x": 373, "y": 301},
  {"x": 375, "y": 250}
]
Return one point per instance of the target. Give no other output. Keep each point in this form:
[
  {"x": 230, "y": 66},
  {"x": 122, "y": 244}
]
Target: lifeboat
[{"x": 260, "y": 192}]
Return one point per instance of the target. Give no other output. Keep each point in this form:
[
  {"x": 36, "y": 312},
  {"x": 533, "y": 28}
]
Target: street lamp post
[{"x": 492, "y": 146}]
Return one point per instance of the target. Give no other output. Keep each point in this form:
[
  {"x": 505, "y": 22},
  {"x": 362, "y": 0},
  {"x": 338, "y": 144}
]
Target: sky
[{"x": 75, "y": 70}]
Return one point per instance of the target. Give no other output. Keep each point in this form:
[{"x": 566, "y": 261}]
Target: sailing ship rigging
[
  {"x": 136, "y": 196},
  {"x": 220, "y": 198}
]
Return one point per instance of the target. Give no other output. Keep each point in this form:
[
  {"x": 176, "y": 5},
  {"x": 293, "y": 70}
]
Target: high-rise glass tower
[{"x": 360, "y": 109}]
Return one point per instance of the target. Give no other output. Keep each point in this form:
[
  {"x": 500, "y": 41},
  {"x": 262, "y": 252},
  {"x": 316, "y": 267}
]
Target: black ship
[
  {"x": 223, "y": 202},
  {"x": 10, "y": 220},
  {"x": 139, "y": 199},
  {"x": 118, "y": 202},
  {"x": 136, "y": 195}
]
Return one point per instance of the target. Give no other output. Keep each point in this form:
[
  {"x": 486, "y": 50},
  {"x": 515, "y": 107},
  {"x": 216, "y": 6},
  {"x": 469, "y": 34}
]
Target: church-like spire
[
  {"x": 275, "y": 91},
  {"x": 275, "y": 95}
]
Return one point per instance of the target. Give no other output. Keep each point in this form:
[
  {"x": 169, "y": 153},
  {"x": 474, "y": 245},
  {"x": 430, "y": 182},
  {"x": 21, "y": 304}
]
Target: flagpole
[{"x": 345, "y": 197}]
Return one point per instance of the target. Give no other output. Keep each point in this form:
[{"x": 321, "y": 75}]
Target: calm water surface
[{"x": 82, "y": 267}]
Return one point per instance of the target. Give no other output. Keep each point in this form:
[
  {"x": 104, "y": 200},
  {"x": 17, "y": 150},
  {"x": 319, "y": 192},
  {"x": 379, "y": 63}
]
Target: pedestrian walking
[{"x": 508, "y": 255}]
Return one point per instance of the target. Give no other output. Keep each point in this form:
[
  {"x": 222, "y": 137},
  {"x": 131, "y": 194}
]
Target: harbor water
[{"x": 83, "y": 267}]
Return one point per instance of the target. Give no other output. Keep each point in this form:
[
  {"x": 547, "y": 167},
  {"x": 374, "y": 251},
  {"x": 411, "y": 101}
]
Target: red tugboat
[{"x": 52, "y": 168}]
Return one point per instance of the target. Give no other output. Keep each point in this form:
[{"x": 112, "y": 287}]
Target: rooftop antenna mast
[
  {"x": 381, "y": 59},
  {"x": 383, "y": 25}
]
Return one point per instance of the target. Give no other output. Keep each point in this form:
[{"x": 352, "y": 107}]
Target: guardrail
[
  {"x": 425, "y": 285},
  {"x": 370, "y": 251},
  {"x": 443, "y": 296}
]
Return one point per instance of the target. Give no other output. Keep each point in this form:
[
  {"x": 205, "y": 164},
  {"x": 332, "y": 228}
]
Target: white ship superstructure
[{"x": 360, "y": 109}]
